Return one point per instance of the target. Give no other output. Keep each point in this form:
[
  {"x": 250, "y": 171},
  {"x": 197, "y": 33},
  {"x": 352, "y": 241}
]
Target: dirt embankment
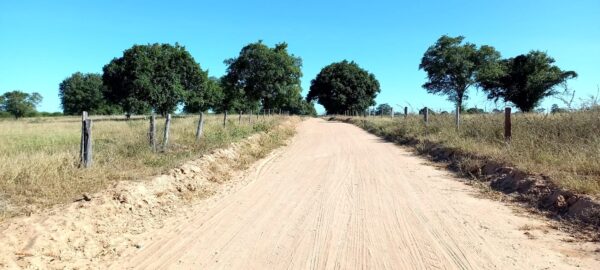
[
  {"x": 535, "y": 190},
  {"x": 99, "y": 227}
]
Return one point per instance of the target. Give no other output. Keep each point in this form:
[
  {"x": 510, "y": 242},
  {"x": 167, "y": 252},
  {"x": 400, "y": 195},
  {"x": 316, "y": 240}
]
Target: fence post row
[
  {"x": 200, "y": 126},
  {"x": 86, "y": 141},
  {"x": 507, "y": 124},
  {"x": 152, "y": 132}
]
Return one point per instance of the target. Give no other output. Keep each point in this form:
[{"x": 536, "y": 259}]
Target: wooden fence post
[
  {"x": 507, "y": 124},
  {"x": 152, "y": 132},
  {"x": 240, "y": 118},
  {"x": 225, "y": 118},
  {"x": 84, "y": 116},
  {"x": 392, "y": 113},
  {"x": 250, "y": 117},
  {"x": 167, "y": 127},
  {"x": 426, "y": 115},
  {"x": 405, "y": 112},
  {"x": 200, "y": 126},
  {"x": 86, "y": 140}
]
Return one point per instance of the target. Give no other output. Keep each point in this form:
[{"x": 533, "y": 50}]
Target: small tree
[
  {"x": 475, "y": 111},
  {"x": 556, "y": 109},
  {"x": 384, "y": 109},
  {"x": 84, "y": 92},
  {"x": 19, "y": 103},
  {"x": 452, "y": 67},
  {"x": 525, "y": 80},
  {"x": 344, "y": 86}
]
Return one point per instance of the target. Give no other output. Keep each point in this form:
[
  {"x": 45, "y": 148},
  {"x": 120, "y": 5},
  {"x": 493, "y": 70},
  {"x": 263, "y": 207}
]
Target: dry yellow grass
[
  {"x": 39, "y": 163},
  {"x": 565, "y": 146}
]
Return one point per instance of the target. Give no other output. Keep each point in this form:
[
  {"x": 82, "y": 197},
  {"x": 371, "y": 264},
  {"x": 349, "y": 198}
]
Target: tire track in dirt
[{"x": 340, "y": 198}]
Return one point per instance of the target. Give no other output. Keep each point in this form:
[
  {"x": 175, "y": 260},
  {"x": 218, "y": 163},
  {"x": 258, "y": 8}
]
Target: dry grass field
[
  {"x": 564, "y": 146},
  {"x": 39, "y": 164}
]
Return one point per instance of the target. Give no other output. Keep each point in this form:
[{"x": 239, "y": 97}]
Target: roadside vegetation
[
  {"x": 39, "y": 162},
  {"x": 563, "y": 146}
]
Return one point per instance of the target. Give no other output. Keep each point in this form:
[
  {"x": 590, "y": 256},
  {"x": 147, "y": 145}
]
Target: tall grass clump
[
  {"x": 563, "y": 146},
  {"x": 39, "y": 163}
]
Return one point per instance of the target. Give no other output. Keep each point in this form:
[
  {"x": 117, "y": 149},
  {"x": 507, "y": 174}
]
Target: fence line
[{"x": 85, "y": 151}]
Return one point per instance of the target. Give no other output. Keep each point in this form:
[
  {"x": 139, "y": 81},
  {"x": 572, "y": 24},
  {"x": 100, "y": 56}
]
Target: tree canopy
[
  {"x": 84, "y": 92},
  {"x": 209, "y": 97},
  {"x": 261, "y": 76},
  {"x": 453, "y": 66},
  {"x": 524, "y": 80},
  {"x": 157, "y": 76},
  {"x": 19, "y": 103},
  {"x": 344, "y": 86}
]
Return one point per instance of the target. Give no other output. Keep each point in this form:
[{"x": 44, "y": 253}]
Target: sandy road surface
[{"x": 340, "y": 198}]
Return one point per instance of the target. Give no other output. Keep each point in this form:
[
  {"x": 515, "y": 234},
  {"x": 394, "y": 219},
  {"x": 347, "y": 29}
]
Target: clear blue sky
[{"x": 43, "y": 42}]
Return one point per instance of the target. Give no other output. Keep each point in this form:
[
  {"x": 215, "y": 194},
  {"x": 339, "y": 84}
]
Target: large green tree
[
  {"x": 19, "y": 103},
  {"x": 157, "y": 76},
  {"x": 84, "y": 92},
  {"x": 344, "y": 86},
  {"x": 453, "y": 66},
  {"x": 524, "y": 80},
  {"x": 261, "y": 75}
]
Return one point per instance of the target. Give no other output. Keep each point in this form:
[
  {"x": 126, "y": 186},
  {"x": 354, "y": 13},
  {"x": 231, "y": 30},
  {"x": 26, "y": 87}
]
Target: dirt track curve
[{"x": 340, "y": 198}]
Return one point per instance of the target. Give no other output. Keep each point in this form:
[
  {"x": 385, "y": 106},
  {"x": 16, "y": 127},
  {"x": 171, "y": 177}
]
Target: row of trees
[
  {"x": 164, "y": 77},
  {"x": 453, "y": 66}
]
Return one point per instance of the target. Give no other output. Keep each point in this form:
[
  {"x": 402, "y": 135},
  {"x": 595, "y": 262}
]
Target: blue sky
[{"x": 43, "y": 42}]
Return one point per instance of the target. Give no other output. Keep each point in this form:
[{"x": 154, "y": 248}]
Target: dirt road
[{"x": 340, "y": 198}]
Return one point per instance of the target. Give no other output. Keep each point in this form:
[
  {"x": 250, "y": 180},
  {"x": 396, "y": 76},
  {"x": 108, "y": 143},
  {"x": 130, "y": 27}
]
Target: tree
[
  {"x": 210, "y": 98},
  {"x": 234, "y": 100},
  {"x": 452, "y": 67},
  {"x": 19, "y": 103},
  {"x": 475, "y": 111},
  {"x": 525, "y": 80},
  {"x": 157, "y": 76},
  {"x": 344, "y": 86},
  {"x": 262, "y": 75},
  {"x": 84, "y": 92},
  {"x": 556, "y": 109},
  {"x": 384, "y": 109}
]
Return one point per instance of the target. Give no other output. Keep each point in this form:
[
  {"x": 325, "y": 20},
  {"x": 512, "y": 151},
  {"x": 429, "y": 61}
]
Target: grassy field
[
  {"x": 565, "y": 146},
  {"x": 39, "y": 164}
]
